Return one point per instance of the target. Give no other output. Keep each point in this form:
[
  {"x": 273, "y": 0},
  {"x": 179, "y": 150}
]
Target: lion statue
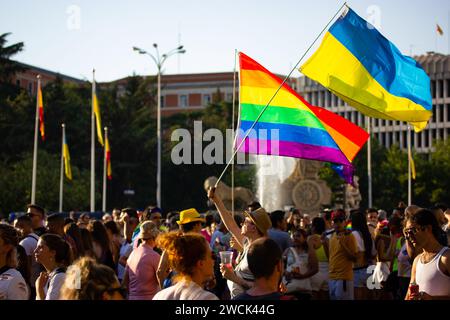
[{"x": 242, "y": 196}]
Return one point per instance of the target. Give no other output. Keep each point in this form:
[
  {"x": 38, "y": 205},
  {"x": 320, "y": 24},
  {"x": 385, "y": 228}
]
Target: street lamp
[{"x": 159, "y": 61}]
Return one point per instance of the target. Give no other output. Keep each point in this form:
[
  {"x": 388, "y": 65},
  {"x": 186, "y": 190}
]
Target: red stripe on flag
[{"x": 347, "y": 128}]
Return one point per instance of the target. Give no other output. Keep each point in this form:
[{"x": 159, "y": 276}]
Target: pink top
[
  {"x": 142, "y": 265},
  {"x": 206, "y": 235}
]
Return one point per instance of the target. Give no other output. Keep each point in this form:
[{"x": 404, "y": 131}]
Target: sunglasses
[{"x": 412, "y": 230}]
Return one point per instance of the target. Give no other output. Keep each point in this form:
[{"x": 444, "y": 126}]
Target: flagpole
[
  {"x": 369, "y": 162},
  {"x": 104, "y": 173},
  {"x": 409, "y": 167},
  {"x": 35, "y": 149},
  {"x": 276, "y": 92},
  {"x": 92, "y": 208},
  {"x": 61, "y": 176},
  {"x": 233, "y": 128}
]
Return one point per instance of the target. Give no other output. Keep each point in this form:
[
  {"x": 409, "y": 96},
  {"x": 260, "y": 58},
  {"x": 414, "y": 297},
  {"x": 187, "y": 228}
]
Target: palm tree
[{"x": 9, "y": 67}]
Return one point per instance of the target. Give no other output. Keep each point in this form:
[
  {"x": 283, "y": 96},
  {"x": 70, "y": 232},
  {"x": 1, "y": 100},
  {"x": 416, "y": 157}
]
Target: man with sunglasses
[
  {"x": 343, "y": 252},
  {"x": 431, "y": 268},
  {"x": 37, "y": 215}
]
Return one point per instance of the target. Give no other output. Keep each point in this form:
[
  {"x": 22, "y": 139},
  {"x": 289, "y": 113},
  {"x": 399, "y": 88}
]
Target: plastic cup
[{"x": 226, "y": 258}]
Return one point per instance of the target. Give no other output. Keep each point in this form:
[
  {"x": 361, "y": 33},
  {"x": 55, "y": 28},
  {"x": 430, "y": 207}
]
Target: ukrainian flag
[{"x": 358, "y": 64}]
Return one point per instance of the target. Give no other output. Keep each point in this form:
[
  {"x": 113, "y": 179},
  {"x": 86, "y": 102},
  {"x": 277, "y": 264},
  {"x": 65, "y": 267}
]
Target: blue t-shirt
[{"x": 282, "y": 238}]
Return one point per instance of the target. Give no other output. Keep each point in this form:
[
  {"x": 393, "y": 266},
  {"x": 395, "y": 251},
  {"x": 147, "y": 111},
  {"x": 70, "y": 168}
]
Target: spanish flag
[
  {"x": 41, "y": 111},
  {"x": 97, "y": 114},
  {"x": 66, "y": 156},
  {"x": 108, "y": 159},
  {"x": 439, "y": 30}
]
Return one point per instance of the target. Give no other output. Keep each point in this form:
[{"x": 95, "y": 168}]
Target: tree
[{"x": 8, "y": 67}]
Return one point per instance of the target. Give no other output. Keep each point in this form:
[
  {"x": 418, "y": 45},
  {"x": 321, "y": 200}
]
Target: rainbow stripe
[
  {"x": 348, "y": 227},
  {"x": 358, "y": 64},
  {"x": 290, "y": 126}
]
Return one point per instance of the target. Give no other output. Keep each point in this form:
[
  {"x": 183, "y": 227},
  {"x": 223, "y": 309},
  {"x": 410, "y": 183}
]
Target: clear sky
[{"x": 74, "y": 36}]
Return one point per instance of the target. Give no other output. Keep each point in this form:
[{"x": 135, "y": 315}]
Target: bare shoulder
[{"x": 446, "y": 256}]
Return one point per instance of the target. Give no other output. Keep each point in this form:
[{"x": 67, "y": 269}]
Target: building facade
[{"x": 28, "y": 78}]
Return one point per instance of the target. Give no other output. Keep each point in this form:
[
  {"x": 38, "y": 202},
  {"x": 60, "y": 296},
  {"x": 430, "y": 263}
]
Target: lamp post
[{"x": 159, "y": 61}]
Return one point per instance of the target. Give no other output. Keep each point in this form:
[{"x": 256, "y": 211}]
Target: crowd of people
[{"x": 338, "y": 255}]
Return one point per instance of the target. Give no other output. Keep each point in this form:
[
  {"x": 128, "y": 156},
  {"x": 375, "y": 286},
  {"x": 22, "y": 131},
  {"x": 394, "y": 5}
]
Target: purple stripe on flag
[{"x": 292, "y": 149}]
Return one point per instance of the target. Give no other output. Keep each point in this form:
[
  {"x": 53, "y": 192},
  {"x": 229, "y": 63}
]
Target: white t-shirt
[
  {"x": 360, "y": 243},
  {"x": 13, "y": 286},
  {"x": 185, "y": 290},
  {"x": 52, "y": 288},
  {"x": 29, "y": 243}
]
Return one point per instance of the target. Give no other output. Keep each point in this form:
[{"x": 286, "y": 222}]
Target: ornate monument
[
  {"x": 304, "y": 189},
  {"x": 352, "y": 194}
]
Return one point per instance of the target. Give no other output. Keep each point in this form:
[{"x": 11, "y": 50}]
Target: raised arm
[
  {"x": 227, "y": 217},
  {"x": 163, "y": 269}
]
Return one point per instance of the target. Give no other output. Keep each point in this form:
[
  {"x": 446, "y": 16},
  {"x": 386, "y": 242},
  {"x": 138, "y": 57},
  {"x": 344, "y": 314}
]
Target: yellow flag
[
  {"x": 66, "y": 156},
  {"x": 97, "y": 118},
  {"x": 413, "y": 167}
]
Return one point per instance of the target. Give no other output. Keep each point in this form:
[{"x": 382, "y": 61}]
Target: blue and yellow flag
[
  {"x": 66, "y": 156},
  {"x": 358, "y": 64}
]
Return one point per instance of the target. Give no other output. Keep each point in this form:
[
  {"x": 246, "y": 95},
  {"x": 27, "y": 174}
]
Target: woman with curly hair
[
  {"x": 86, "y": 279},
  {"x": 191, "y": 257}
]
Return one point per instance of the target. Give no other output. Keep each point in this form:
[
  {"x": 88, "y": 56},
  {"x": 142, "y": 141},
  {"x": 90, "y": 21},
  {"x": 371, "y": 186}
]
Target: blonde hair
[
  {"x": 183, "y": 250},
  {"x": 86, "y": 279}
]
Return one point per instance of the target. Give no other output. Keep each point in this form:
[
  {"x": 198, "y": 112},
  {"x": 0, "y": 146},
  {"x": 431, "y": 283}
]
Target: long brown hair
[
  {"x": 10, "y": 236},
  {"x": 63, "y": 253}
]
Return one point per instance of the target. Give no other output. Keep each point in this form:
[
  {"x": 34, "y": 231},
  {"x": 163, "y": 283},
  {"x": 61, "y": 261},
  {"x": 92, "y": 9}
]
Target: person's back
[
  {"x": 142, "y": 265},
  {"x": 282, "y": 238},
  {"x": 340, "y": 266},
  {"x": 185, "y": 290},
  {"x": 12, "y": 285},
  {"x": 270, "y": 296},
  {"x": 342, "y": 253}
]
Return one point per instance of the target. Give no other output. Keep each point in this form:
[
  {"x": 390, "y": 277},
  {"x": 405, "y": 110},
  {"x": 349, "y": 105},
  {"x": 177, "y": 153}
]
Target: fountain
[{"x": 283, "y": 182}]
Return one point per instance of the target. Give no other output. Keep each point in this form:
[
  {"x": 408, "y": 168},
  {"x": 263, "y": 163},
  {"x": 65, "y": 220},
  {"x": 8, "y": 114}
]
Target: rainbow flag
[
  {"x": 349, "y": 227},
  {"x": 41, "y": 111},
  {"x": 358, "y": 64},
  {"x": 108, "y": 159},
  {"x": 66, "y": 157},
  {"x": 290, "y": 126},
  {"x": 345, "y": 172}
]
